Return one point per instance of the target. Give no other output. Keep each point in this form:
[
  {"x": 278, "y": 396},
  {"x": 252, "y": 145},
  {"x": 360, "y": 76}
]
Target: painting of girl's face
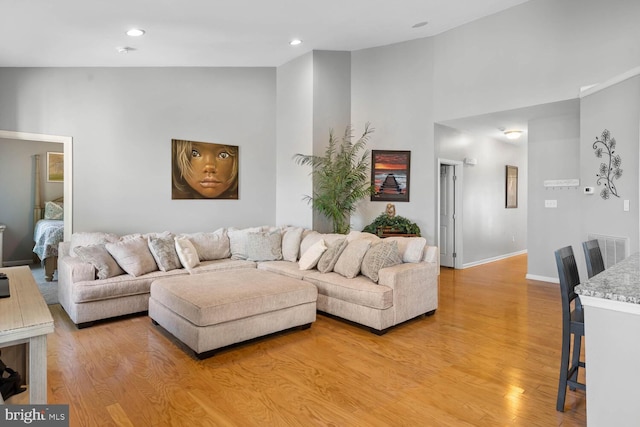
[{"x": 204, "y": 170}]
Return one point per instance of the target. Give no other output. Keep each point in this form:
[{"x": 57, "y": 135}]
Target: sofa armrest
[
  {"x": 72, "y": 270},
  {"x": 415, "y": 288},
  {"x": 64, "y": 249}
]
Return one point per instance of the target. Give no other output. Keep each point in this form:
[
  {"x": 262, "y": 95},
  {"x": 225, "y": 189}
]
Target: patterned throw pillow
[
  {"x": 381, "y": 255},
  {"x": 133, "y": 255},
  {"x": 350, "y": 261},
  {"x": 238, "y": 241},
  {"x": 53, "y": 210},
  {"x": 102, "y": 261},
  {"x": 164, "y": 252},
  {"x": 264, "y": 246},
  {"x": 331, "y": 255}
]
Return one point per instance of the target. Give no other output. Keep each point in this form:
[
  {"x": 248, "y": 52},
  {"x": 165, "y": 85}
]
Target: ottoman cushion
[{"x": 218, "y": 297}]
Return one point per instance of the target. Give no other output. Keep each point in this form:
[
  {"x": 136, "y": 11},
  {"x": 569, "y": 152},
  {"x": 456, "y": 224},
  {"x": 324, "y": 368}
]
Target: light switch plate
[{"x": 550, "y": 203}]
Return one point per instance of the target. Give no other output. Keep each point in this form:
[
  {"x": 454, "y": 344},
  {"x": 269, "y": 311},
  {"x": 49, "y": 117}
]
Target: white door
[{"x": 447, "y": 215}]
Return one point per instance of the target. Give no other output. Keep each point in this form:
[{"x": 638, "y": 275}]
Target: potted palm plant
[{"x": 340, "y": 177}]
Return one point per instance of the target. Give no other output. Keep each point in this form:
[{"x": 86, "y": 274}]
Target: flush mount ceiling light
[
  {"x": 135, "y": 32},
  {"x": 295, "y": 42},
  {"x": 124, "y": 49},
  {"x": 512, "y": 134}
]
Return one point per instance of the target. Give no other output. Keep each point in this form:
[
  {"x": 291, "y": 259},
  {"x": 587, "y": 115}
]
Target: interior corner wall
[
  {"x": 554, "y": 153},
  {"x": 490, "y": 231},
  {"x": 17, "y": 173},
  {"x": 617, "y": 109},
  {"x": 294, "y": 135},
  {"x": 392, "y": 88},
  {"x": 122, "y": 121}
]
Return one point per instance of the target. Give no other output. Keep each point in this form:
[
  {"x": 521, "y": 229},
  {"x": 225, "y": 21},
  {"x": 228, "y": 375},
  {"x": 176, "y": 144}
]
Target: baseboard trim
[
  {"x": 542, "y": 278},
  {"x": 494, "y": 259}
]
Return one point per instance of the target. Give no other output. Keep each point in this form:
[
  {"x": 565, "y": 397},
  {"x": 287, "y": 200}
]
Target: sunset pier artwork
[{"x": 390, "y": 175}]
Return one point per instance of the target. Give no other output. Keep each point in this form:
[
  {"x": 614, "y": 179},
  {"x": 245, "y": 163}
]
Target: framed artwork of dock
[{"x": 390, "y": 172}]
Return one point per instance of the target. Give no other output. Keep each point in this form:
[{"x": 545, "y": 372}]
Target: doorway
[{"x": 449, "y": 207}]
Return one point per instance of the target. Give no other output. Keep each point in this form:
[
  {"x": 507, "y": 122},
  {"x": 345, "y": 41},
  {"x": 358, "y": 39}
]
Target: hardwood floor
[{"x": 488, "y": 357}]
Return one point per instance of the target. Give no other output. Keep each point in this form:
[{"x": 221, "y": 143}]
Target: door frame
[
  {"x": 457, "y": 230},
  {"x": 67, "y": 142}
]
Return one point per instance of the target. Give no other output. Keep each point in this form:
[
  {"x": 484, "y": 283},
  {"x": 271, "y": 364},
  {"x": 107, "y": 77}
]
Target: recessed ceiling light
[
  {"x": 420, "y": 24},
  {"x": 135, "y": 32},
  {"x": 295, "y": 42}
]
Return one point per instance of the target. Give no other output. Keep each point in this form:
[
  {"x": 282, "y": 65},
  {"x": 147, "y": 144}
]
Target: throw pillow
[
  {"x": 310, "y": 258},
  {"x": 133, "y": 255},
  {"x": 53, "y": 210},
  {"x": 411, "y": 248},
  {"x": 164, "y": 252},
  {"x": 329, "y": 258},
  {"x": 211, "y": 246},
  {"x": 90, "y": 238},
  {"x": 291, "y": 239},
  {"x": 350, "y": 261},
  {"x": 381, "y": 255},
  {"x": 238, "y": 241},
  {"x": 186, "y": 252},
  {"x": 102, "y": 261},
  {"x": 264, "y": 246}
]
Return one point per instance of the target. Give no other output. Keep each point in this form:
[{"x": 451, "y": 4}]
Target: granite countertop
[{"x": 620, "y": 282}]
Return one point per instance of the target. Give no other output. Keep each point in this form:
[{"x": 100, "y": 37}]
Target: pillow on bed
[
  {"x": 102, "y": 261},
  {"x": 53, "y": 210}
]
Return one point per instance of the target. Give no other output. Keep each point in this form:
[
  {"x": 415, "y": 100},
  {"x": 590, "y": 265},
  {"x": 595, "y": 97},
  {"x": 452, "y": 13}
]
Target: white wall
[
  {"x": 122, "y": 121},
  {"x": 392, "y": 88},
  {"x": 489, "y": 229},
  {"x": 294, "y": 135}
]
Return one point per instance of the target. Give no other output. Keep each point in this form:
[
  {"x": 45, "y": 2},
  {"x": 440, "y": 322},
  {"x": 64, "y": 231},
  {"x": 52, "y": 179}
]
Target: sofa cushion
[
  {"x": 291, "y": 238},
  {"x": 264, "y": 246},
  {"x": 380, "y": 255},
  {"x": 133, "y": 255},
  {"x": 411, "y": 248},
  {"x": 238, "y": 241},
  {"x": 211, "y": 246},
  {"x": 90, "y": 238},
  {"x": 222, "y": 265},
  {"x": 359, "y": 290},
  {"x": 164, "y": 252},
  {"x": 101, "y": 259},
  {"x": 310, "y": 257},
  {"x": 329, "y": 258},
  {"x": 186, "y": 252},
  {"x": 286, "y": 268},
  {"x": 351, "y": 258}
]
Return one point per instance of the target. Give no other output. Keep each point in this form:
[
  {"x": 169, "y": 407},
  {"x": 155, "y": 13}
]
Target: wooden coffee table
[{"x": 25, "y": 318}]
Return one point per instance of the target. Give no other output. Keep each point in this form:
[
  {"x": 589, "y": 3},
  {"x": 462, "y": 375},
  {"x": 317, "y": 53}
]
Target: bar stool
[
  {"x": 572, "y": 324},
  {"x": 593, "y": 256}
]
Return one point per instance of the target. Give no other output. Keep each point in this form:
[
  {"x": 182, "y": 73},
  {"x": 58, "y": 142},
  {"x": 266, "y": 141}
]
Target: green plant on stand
[
  {"x": 340, "y": 177},
  {"x": 395, "y": 224}
]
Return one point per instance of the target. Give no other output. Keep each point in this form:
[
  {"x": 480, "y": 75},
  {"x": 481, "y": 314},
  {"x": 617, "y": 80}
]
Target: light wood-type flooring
[{"x": 488, "y": 357}]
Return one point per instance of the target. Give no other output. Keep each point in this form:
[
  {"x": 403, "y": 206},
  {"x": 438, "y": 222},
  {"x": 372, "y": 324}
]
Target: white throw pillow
[
  {"x": 211, "y": 246},
  {"x": 291, "y": 239},
  {"x": 309, "y": 259},
  {"x": 411, "y": 248},
  {"x": 186, "y": 253},
  {"x": 133, "y": 255}
]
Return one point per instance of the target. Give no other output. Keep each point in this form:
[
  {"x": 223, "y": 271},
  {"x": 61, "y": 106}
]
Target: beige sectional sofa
[{"x": 375, "y": 282}]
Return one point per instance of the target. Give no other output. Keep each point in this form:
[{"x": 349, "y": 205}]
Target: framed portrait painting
[
  {"x": 511, "y": 187},
  {"x": 390, "y": 172},
  {"x": 55, "y": 167},
  {"x": 203, "y": 170}
]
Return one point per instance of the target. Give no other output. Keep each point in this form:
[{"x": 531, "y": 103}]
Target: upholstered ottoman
[{"x": 213, "y": 310}]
